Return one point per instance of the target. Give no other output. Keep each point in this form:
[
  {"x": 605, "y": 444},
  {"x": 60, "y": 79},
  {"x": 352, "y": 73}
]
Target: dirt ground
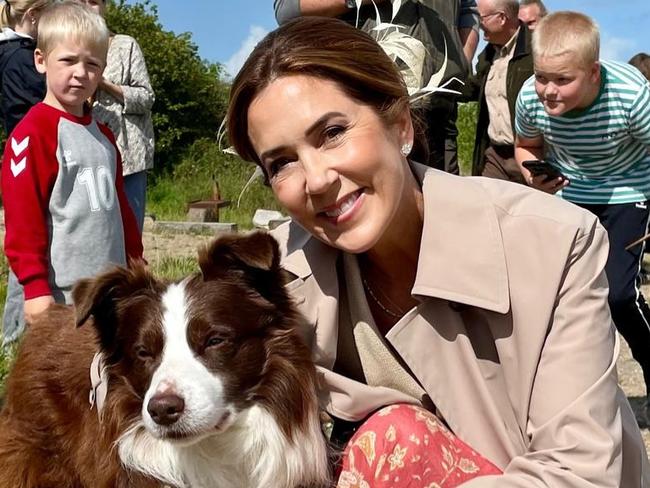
[{"x": 630, "y": 377}]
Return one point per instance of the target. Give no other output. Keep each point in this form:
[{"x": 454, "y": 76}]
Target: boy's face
[
  {"x": 72, "y": 73},
  {"x": 563, "y": 85}
]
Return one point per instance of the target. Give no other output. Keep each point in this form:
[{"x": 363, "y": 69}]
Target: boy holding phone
[{"x": 592, "y": 119}]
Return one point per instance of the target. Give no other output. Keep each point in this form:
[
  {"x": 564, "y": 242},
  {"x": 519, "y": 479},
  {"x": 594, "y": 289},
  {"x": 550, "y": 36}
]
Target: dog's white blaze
[{"x": 181, "y": 373}]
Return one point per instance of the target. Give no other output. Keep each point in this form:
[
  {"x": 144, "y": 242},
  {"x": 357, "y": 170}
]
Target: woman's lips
[{"x": 343, "y": 208}]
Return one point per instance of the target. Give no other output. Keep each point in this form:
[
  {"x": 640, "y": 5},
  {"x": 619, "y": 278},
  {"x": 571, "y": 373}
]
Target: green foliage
[
  {"x": 192, "y": 179},
  {"x": 191, "y": 97},
  {"x": 466, "y": 123}
]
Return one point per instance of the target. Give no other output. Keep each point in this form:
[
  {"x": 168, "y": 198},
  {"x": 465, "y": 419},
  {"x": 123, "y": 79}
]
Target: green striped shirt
[{"x": 604, "y": 149}]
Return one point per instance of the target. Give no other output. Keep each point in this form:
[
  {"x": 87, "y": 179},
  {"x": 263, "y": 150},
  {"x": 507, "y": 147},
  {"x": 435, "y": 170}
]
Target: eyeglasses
[{"x": 483, "y": 17}]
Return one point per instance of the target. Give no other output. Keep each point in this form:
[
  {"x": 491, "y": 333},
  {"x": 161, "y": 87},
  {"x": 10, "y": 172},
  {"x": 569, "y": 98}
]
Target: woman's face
[{"x": 332, "y": 162}]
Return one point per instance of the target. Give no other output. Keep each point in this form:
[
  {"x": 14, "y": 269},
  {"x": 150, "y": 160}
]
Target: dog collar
[{"x": 99, "y": 383}]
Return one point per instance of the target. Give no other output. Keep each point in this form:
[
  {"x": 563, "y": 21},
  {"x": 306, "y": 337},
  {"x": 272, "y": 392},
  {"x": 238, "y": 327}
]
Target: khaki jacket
[{"x": 512, "y": 338}]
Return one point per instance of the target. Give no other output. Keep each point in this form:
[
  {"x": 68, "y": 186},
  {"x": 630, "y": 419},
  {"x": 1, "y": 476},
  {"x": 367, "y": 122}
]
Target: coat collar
[{"x": 449, "y": 265}]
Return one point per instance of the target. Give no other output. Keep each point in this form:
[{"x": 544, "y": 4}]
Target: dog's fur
[{"x": 224, "y": 341}]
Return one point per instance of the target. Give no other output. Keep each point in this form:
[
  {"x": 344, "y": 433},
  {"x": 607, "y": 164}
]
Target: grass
[{"x": 193, "y": 178}]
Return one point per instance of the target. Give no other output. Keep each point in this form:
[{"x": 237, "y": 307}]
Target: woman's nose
[{"x": 319, "y": 176}]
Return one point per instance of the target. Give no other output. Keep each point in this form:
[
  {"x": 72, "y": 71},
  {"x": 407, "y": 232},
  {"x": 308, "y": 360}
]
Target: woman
[
  {"x": 123, "y": 102},
  {"x": 21, "y": 87},
  {"x": 478, "y": 300}
]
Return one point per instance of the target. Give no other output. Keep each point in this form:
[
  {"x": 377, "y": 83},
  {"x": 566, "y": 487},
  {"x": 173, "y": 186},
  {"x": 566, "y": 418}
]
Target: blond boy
[
  {"x": 66, "y": 213},
  {"x": 592, "y": 118}
]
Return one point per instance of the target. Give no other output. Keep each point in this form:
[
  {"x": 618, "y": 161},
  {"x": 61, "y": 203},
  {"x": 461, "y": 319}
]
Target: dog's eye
[
  {"x": 143, "y": 354},
  {"x": 214, "y": 341}
]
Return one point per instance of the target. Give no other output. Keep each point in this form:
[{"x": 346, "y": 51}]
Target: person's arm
[
  {"x": 28, "y": 176},
  {"x": 468, "y": 24},
  {"x": 469, "y": 38},
  {"x": 529, "y": 144},
  {"x": 574, "y": 420},
  {"x": 285, "y": 10},
  {"x": 640, "y": 116},
  {"x": 136, "y": 93}
]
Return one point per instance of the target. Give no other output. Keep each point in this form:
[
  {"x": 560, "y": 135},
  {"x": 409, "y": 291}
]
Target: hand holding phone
[{"x": 539, "y": 167}]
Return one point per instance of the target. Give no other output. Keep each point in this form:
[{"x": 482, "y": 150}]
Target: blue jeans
[
  {"x": 13, "y": 320},
  {"x": 135, "y": 187}
]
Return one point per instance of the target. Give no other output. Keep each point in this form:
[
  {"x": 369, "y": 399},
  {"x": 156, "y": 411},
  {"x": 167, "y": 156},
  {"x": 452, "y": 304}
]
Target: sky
[{"x": 225, "y": 31}]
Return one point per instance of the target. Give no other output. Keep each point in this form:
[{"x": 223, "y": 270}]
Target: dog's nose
[{"x": 165, "y": 409}]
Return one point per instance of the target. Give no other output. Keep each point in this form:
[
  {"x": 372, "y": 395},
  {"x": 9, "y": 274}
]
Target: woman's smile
[{"x": 345, "y": 208}]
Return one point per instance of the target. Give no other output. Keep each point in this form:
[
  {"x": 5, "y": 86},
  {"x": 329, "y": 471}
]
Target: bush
[{"x": 467, "y": 113}]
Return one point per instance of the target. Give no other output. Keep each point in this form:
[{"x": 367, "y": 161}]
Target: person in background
[
  {"x": 442, "y": 26},
  {"x": 502, "y": 68},
  {"x": 531, "y": 11},
  {"x": 439, "y": 315},
  {"x": 66, "y": 214},
  {"x": 591, "y": 118},
  {"x": 641, "y": 61},
  {"x": 21, "y": 86},
  {"x": 123, "y": 102}
]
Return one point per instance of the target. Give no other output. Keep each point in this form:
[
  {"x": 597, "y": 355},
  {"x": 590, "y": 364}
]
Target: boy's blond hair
[
  {"x": 571, "y": 33},
  {"x": 71, "y": 20}
]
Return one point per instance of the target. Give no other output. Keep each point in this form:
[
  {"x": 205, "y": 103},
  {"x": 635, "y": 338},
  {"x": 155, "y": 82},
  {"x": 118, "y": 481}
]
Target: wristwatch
[{"x": 351, "y": 4}]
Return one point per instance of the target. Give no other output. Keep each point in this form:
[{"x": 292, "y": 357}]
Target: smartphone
[{"x": 538, "y": 167}]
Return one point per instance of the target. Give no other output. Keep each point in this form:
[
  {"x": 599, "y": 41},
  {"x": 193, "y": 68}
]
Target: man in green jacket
[{"x": 503, "y": 67}]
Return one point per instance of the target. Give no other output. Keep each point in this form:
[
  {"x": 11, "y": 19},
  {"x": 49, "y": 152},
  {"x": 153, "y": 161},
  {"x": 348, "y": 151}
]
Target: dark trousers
[
  {"x": 442, "y": 135},
  {"x": 624, "y": 224},
  {"x": 500, "y": 163}
]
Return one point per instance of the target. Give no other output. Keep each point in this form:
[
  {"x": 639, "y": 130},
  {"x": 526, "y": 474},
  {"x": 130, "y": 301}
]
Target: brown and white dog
[{"x": 209, "y": 382}]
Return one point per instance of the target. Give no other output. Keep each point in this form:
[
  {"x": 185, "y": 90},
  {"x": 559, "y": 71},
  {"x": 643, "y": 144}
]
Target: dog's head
[{"x": 196, "y": 352}]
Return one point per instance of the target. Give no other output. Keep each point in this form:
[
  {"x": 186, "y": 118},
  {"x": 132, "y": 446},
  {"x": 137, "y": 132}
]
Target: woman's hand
[{"x": 36, "y": 306}]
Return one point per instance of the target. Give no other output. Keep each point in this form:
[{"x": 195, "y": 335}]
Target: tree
[{"x": 191, "y": 96}]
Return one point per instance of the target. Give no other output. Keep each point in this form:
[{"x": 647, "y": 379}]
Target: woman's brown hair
[{"x": 323, "y": 48}]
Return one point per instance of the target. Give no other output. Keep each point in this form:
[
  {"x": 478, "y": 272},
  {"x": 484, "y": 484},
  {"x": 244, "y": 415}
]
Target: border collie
[{"x": 207, "y": 382}]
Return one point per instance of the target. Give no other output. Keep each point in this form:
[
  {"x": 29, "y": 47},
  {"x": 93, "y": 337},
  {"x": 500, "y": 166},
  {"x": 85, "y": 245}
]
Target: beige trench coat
[{"x": 512, "y": 339}]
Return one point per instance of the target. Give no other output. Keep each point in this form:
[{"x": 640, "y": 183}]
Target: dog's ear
[
  {"x": 99, "y": 296},
  {"x": 257, "y": 251},
  {"x": 253, "y": 259}
]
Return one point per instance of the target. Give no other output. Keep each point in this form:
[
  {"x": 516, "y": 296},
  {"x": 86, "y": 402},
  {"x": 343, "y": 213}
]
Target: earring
[{"x": 406, "y": 148}]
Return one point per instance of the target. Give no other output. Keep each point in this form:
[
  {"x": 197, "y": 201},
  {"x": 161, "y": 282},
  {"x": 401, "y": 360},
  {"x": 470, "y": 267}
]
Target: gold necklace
[{"x": 378, "y": 302}]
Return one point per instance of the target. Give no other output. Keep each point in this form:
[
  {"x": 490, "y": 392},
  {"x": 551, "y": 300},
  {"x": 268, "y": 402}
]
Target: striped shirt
[{"x": 603, "y": 149}]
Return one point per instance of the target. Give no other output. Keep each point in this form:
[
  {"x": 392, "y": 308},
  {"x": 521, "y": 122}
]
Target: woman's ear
[
  {"x": 39, "y": 61},
  {"x": 404, "y": 125},
  {"x": 31, "y": 15}
]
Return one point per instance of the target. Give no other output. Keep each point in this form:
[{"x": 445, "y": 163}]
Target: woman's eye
[
  {"x": 276, "y": 166},
  {"x": 333, "y": 132}
]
